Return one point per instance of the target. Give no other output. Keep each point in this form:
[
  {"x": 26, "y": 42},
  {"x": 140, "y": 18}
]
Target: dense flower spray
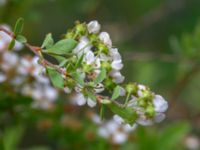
[{"x": 88, "y": 67}]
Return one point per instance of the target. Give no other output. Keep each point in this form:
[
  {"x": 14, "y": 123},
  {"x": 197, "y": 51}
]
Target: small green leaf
[
  {"x": 78, "y": 78},
  {"x": 48, "y": 41},
  {"x": 127, "y": 113},
  {"x": 63, "y": 63},
  {"x": 92, "y": 96},
  {"x": 80, "y": 60},
  {"x": 19, "y": 26},
  {"x": 101, "y": 76},
  {"x": 55, "y": 77},
  {"x": 62, "y": 47},
  {"x": 102, "y": 111},
  {"x": 116, "y": 93},
  {"x": 12, "y": 44},
  {"x": 21, "y": 39}
]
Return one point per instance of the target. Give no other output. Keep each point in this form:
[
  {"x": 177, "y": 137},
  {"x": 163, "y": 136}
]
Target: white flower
[
  {"x": 117, "y": 65},
  {"x": 116, "y": 131},
  {"x": 118, "y": 77},
  {"x": 160, "y": 104},
  {"x": 2, "y": 77},
  {"x": 105, "y": 38},
  {"x": 118, "y": 119},
  {"x": 119, "y": 137},
  {"x": 10, "y": 60},
  {"x": 114, "y": 53},
  {"x": 50, "y": 93},
  {"x": 80, "y": 100},
  {"x": 93, "y": 26},
  {"x": 83, "y": 46},
  {"x": 89, "y": 57},
  {"x": 142, "y": 120}
]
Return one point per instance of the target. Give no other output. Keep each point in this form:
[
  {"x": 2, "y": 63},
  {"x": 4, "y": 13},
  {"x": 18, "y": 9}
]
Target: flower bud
[
  {"x": 105, "y": 38},
  {"x": 131, "y": 88},
  {"x": 93, "y": 26}
]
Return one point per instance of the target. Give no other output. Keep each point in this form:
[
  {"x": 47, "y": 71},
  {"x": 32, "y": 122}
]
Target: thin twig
[{"x": 37, "y": 51}]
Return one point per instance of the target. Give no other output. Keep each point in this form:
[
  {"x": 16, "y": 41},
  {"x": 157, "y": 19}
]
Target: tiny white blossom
[
  {"x": 2, "y": 77},
  {"x": 117, "y": 65},
  {"x": 83, "y": 46},
  {"x": 93, "y": 26},
  {"x": 118, "y": 77},
  {"x": 160, "y": 104},
  {"x": 80, "y": 100},
  {"x": 105, "y": 38}
]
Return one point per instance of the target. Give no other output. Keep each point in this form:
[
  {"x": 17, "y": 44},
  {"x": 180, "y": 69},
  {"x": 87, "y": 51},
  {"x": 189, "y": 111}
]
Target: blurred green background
[{"x": 160, "y": 44}]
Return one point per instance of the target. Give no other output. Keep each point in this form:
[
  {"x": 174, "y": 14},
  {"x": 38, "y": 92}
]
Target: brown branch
[{"x": 37, "y": 51}]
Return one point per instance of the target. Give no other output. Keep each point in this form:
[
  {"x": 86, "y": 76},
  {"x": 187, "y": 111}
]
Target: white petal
[
  {"x": 83, "y": 46},
  {"x": 2, "y": 77},
  {"x": 79, "y": 99},
  {"x": 105, "y": 38},
  {"x": 119, "y": 137},
  {"x": 159, "y": 117},
  {"x": 118, "y": 119},
  {"x": 117, "y": 65},
  {"x": 50, "y": 93},
  {"x": 93, "y": 27},
  {"x": 89, "y": 57},
  {"x": 96, "y": 119},
  {"x": 160, "y": 104},
  {"x": 91, "y": 102},
  {"x": 128, "y": 128},
  {"x": 102, "y": 131},
  {"x": 145, "y": 122}
]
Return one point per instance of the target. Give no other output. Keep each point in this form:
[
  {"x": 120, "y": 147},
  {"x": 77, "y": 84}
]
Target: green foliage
[
  {"x": 116, "y": 93},
  {"x": 21, "y": 39},
  {"x": 101, "y": 76},
  {"x": 12, "y": 44},
  {"x": 19, "y": 25},
  {"x": 55, "y": 78},
  {"x": 128, "y": 114},
  {"x": 48, "y": 41},
  {"x": 64, "y": 46}
]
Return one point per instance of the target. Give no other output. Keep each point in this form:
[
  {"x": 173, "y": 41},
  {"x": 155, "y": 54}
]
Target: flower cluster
[
  {"x": 149, "y": 107},
  {"x": 24, "y": 74},
  {"x": 98, "y": 56},
  {"x": 112, "y": 130},
  {"x": 88, "y": 68}
]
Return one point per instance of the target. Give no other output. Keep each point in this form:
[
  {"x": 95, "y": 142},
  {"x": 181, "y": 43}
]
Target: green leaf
[
  {"x": 62, "y": 47},
  {"x": 91, "y": 95},
  {"x": 78, "y": 78},
  {"x": 101, "y": 76},
  {"x": 12, "y": 136},
  {"x": 63, "y": 63},
  {"x": 48, "y": 41},
  {"x": 19, "y": 26},
  {"x": 116, "y": 93},
  {"x": 80, "y": 60},
  {"x": 127, "y": 113},
  {"x": 55, "y": 77},
  {"x": 21, "y": 39},
  {"x": 12, "y": 44},
  {"x": 102, "y": 111}
]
